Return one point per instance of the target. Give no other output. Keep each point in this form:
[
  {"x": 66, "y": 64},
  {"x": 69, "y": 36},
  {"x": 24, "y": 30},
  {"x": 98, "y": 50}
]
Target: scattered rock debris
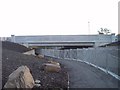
[{"x": 12, "y": 58}]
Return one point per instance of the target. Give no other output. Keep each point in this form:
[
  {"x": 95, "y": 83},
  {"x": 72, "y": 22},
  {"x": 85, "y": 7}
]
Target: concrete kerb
[
  {"x": 104, "y": 70},
  {"x": 100, "y": 68}
]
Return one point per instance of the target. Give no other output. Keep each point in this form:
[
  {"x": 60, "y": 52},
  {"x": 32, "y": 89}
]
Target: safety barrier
[{"x": 106, "y": 59}]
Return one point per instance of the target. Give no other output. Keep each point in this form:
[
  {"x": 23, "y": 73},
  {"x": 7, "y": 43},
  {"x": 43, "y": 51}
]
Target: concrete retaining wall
[{"x": 98, "y": 57}]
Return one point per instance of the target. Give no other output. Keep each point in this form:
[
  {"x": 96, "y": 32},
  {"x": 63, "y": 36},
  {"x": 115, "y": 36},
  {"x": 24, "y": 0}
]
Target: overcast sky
[{"x": 57, "y": 17}]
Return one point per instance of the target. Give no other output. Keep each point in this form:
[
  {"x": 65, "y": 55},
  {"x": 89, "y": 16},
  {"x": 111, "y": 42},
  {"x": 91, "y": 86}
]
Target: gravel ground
[{"x": 12, "y": 59}]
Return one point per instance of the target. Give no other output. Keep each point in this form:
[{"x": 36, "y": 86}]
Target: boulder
[
  {"x": 20, "y": 78},
  {"x": 51, "y": 67},
  {"x": 40, "y": 56},
  {"x": 53, "y": 62}
]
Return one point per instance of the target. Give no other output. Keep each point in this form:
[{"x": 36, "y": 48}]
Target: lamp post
[{"x": 88, "y": 27}]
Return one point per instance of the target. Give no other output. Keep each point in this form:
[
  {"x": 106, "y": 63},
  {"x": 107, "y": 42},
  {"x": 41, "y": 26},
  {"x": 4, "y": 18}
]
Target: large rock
[
  {"x": 53, "y": 62},
  {"x": 40, "y": 56},
  {"x": 51, "y": 67},
  {"x": 20, "y": 78}
]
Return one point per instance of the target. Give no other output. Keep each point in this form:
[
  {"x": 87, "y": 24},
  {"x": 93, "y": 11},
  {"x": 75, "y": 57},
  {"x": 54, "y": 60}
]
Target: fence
[{"x": 106, "y": 59}]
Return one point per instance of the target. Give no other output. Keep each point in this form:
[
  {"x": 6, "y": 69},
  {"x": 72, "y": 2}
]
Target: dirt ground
[{"x": 12, "y": 58}]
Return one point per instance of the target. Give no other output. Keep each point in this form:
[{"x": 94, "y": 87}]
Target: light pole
[{"x": 88, "y": 27}]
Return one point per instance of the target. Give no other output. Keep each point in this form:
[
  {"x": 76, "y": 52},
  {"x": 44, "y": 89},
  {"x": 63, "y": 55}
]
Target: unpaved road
[{"x": 82, "y": 75}]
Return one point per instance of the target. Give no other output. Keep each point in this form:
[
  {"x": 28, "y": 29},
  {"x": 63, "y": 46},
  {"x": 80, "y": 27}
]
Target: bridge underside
[{"x": 62, "y": 45}]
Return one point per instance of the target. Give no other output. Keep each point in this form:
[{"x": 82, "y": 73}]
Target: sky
[{"x": 57, "y": 17}]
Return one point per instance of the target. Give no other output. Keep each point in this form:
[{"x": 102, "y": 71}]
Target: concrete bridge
[
  {"x": 63, "y": 40},
  {"x": 80, "y": 64}
]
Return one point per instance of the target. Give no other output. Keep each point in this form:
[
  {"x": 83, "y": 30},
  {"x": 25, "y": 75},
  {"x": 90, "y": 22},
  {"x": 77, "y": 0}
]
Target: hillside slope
[
  {"x": 12, "y": 58},
  {"x": 14, "y": 46}
]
